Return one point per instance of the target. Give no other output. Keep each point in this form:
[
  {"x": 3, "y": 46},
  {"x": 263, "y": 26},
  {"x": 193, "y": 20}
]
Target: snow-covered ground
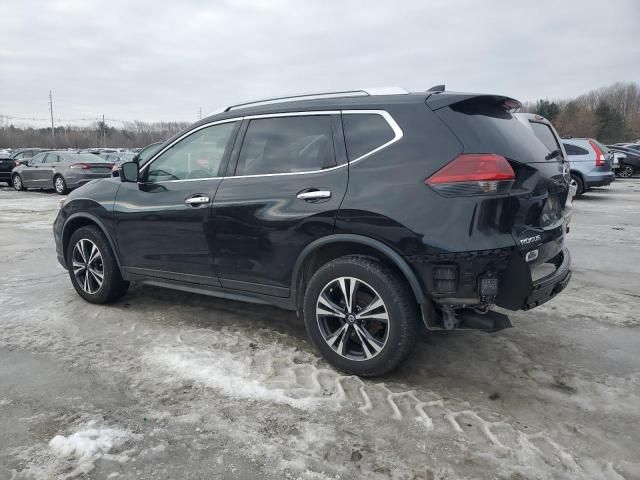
[{"x": 172, "y": 385}]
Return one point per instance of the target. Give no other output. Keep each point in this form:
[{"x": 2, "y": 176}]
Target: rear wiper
[{"x": 553, "y": 154}]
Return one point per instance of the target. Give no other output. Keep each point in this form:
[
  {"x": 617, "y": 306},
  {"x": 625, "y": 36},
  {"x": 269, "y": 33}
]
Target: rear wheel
[
  {"x": 360, "y": 315},
  {"x": 17, "y": 183},
  {"x": 60, "y": 185},
  {"x": 579, "y": 184},
  {"x": 625, "y": 170},
  {"x": 92, "y": 267}
]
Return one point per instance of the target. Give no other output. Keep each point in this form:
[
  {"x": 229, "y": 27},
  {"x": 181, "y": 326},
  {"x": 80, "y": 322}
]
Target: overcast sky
[{"x": 154, "y": 60}]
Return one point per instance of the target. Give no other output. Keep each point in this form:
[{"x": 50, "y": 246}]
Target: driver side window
[{"x": 197, "y": 156}]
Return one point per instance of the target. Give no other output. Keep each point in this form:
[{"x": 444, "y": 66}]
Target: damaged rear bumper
[{"x": 519, "y": 290}]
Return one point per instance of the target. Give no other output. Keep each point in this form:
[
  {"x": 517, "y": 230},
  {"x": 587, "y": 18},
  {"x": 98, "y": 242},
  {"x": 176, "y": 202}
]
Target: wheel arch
[
  {"x": 334, "y": 246},
  {"x": 83, "y": 219}
]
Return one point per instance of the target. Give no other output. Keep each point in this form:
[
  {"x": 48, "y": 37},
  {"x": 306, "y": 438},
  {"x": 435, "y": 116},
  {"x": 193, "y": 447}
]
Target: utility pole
[
  {"x": 104, "y": 136},
  {"x": 53, "y": 132}
]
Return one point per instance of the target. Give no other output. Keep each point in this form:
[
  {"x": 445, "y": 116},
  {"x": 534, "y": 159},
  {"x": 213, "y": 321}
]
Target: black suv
[{"x": 364, "y": 213}]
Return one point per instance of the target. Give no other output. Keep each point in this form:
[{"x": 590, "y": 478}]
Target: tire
[
  {"x": 113, "y": 286},
  {"x": 392, "y": 341},
  {"x": 59, "y": 185},
  {"x": 579, "y": 184},
  {"x": 625, "y": 170},
  {"x": 16, "y": 181}
]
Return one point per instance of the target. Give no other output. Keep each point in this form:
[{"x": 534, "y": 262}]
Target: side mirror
[{"x": 129, "y": 172}]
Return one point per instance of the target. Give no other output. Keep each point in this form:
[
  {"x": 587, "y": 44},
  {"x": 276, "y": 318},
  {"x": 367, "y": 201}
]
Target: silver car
[
  {"x": 60, "y": 170},
  {"x": 591, "y": 163}
]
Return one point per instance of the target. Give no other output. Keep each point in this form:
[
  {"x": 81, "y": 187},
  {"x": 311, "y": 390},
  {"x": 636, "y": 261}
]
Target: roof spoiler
[{"x": 436, "y": 101}]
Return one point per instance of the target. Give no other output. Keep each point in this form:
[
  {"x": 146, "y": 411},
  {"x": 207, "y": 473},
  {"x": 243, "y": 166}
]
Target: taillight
[
  {"x": 599, "y": 154},
  {"x": 473, "y": 174},
  {"x": 81, "y": 165}
]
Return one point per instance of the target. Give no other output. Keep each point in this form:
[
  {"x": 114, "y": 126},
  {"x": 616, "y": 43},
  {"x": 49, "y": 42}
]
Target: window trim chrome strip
[{"x": 398, "y": 135}]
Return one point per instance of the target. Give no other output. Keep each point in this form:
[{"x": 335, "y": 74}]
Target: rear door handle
[
  {"x": 314, "y": 194},
  {"x": 197, "y": 200}
]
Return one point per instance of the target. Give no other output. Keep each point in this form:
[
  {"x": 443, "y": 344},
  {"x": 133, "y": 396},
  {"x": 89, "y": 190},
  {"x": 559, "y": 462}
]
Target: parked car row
[
  {"x": 63, "y": 170},
  {"x": 628, "y": 155}
]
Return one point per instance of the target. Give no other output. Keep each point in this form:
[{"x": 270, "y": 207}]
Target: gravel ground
[{"x": 166, "y": 384}]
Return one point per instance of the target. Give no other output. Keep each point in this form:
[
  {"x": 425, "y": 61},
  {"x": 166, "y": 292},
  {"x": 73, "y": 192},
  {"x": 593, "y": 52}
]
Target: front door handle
[
  {"x": 197, "y": 200},
  {"x": 314, "y": 195}
]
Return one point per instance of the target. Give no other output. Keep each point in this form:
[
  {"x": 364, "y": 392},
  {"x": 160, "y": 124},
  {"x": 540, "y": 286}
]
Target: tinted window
[
  {"x": 197, "y": 156},
  {"x": 52, "y": 158},
  {"x": 82, "y": 157},
  {"x": 545, "y": 135},
  {"x": 286, "y": 145},
  {"x": 364, "y": 133},
  {"x": 574, "y": 149}
]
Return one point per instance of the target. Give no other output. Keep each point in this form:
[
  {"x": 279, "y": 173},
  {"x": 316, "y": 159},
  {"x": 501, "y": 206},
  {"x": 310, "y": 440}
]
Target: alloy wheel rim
[
  {"x": 59, "y": 184},
  {"x": 17, "y": 183},
  {"x": 88, "y": 267},
  {"x": 353, "y": 319},
  {"x": 625, "y": 171}
]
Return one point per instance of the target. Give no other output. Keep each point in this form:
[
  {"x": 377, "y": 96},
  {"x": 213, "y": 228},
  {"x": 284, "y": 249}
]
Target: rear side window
[
  {"x": 574, "y": 149},
  {"x": 545, "y": 135},
  {"x": 38, "y": 158},
  {"x": 287, "y": 145},
  {"x": 364, "y": 133}
]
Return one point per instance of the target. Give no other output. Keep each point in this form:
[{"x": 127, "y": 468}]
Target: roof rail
[{"x": 316, "y": 96}]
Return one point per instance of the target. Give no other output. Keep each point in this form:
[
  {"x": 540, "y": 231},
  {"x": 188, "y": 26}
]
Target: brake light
[
  {"x": 473, "y": 174},
  {"x": 599, "y": 154},
  {"x": 81, "y": 165}
]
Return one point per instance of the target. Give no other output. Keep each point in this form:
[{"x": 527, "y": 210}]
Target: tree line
[
  {"x": 98, "y": 134},
  {"x": 610, "y": 114}
]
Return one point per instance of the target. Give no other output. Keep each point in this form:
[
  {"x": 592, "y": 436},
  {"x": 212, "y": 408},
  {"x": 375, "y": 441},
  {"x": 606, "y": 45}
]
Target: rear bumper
[
  {"x": 518, "y": 289},
  {"x": 459, "y": 280},
  {"x": 549, "y": 286},
  {"x": 77, "y": 180},
  {"x": 4, "y": 176},
  {"x": 601, "y": 180}
]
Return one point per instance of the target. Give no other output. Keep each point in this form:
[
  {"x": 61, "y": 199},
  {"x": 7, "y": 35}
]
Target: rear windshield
[
  {"x": 83, "y": 157},
  {"x": 483, "y": 125},
  {"x": 545, "y": 135}
]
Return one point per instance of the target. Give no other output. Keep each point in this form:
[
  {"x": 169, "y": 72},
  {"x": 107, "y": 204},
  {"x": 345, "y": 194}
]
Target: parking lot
[{"x": 166, "y": 384}]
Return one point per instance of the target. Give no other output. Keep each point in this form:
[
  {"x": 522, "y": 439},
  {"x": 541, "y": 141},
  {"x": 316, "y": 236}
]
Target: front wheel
[
  {"x": 360, "y": 315},
  {"x": 92, "y": 267}
]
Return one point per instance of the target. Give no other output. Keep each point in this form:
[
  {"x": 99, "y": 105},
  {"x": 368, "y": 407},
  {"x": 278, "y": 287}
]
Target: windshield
[{"x": 147, "y": 152}]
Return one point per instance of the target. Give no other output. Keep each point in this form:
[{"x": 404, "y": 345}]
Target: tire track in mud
[
  {"x": 304, "y": 382},
  {"x": 272, "y": 368}
]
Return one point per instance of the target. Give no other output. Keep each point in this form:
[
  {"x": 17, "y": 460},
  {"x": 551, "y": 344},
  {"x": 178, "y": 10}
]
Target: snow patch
[
  {"x": 225, "y": 373},
  {"x": 88, "y": 444}
]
